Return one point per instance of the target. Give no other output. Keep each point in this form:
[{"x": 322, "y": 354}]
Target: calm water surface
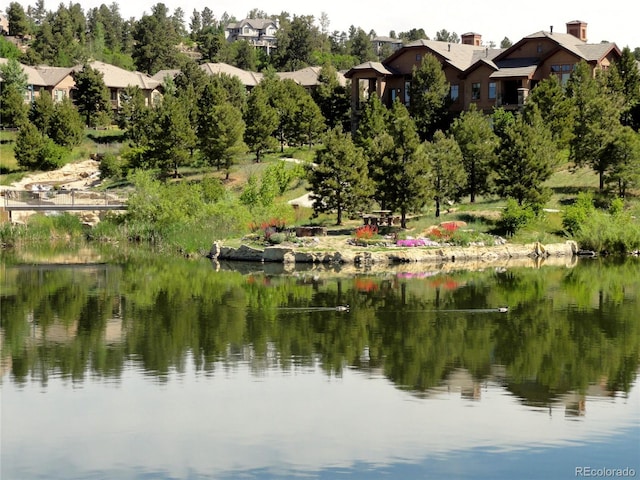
[{"x": 176, "y": 369}]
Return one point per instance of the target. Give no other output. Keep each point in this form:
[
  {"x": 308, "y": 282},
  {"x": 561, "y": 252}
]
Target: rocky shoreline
[{"x": 364, "y": 256}]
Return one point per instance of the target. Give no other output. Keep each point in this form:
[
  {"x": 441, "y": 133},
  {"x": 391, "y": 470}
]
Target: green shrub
[
  {"x": 112, "y": 167},
  {"x": 514, "y": 217},
  {"x": 575, "y": 215},
  {"x": 603, "y": 232}
]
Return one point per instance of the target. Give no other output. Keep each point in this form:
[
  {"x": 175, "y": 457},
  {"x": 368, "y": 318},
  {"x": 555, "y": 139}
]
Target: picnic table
[{"x": 379, "y": 218}]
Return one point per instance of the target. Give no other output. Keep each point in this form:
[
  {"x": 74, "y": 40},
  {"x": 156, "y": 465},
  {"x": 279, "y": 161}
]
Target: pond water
[{"x": 180, "y": 369}]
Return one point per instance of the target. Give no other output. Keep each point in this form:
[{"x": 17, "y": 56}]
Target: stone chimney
[
  {"x": 578, "y": 29},
  {"x": 471, "y": 39}
]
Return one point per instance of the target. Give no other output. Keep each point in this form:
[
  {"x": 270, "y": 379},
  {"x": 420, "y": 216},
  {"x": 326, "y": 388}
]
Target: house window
[
  {"x": 58, "y": 95},
  {"x": 418, "y": 57},
  {"x": 475, "y": 91},
  {"x": 407, "y": 92},
  {"x": 563, "y": 72},
  {"x": 539, "y": 48},
  {"x": 492, "y": 90},
  {"x": 454, "y": 93}
]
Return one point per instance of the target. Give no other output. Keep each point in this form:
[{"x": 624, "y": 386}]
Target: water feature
[{"x": 169, "y": 368}]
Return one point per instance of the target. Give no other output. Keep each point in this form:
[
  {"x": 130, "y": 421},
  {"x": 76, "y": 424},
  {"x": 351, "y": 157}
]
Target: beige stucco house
[
  {"x": 55, "y": 81},
  {"x": 116, "y": 79}
]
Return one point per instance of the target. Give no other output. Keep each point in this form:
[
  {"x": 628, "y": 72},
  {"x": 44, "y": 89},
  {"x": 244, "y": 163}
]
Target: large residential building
[
  {"x": 259, "y": 32},
  {"x": 479, "y": 75}
]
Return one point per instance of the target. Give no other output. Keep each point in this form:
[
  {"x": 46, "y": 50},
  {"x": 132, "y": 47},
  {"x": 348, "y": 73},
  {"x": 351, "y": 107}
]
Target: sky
[{"x": 493, "y": 20}]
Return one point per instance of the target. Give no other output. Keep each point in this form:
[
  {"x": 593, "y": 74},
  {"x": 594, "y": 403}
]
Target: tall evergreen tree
[
  {"x": 429, "y": 94},
  {"x": 598, "y": 111},
  {"x": 526, "y": 159},
  {"x": 554, "y": 106},
  {"x": 42, "y": 111},
  {"x": 13, "y": 110},
  {"x": 171, "y": 138},
  {"x": 19, "y": 24},
  {"x": 295, "y": 43},
  {"x": 333, "y": 99},
  {"x": 371, "y": 136},
  {"x": 360, "y": 46},
  {"x": 156, "y": 39},
  {"x": 472, "y": 130},
  {"x": 624, "y": 155},
  {"x": 629, "y": 73},
  {"x": 447, "y": 176},
  {"x": 134, "y": 116},
  {"x": 339, "y": 180},
  {"x": 220, "y": 130},
  {"x": 308, "y": 120},
  {"x": 92, "y": 97},
  {"x": 261, "y": 121},
  {"x": 66, "y": 127},
  {"x": 405, "y": 187}
]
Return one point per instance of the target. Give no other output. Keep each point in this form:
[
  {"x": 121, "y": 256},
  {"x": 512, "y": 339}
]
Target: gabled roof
[
  {"x": 308, "y": 77},
  {"x": 43, "y": 76},
  {"x": 116, "y": 77},
  {"x": 255, "y": 23},
  {"x": 587, "y": 51},
  {"x": 386, "y": 40},
  {"x": 248, "y": 79},
  {"x": 162, "y": 74},
  {"x": 458, "y": 55},
  {"x": 375, "y": 66}
]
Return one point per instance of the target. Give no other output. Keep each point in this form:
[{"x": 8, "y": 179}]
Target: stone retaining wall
[{"x": 393, "y": 255}]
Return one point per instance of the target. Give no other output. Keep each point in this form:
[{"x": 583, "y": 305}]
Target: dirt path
[{"x": 78, "y": 175}]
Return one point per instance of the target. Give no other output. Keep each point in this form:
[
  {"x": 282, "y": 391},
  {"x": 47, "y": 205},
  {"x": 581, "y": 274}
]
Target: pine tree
[
  {"x": 526, "y": 159},
  {"x": 554, "y": 106},
  {"x": 332, "y": 98},
  {"x": 624, "y": 155},
  {"x": 405, "y": 185},
  {"x": 65, "y": 127},
  {"x": 220, "y": 135},
  {"x": 261, "y": 121},
  {"x": 92, "y": 97},
  {"x": 171, "y": 138},
  {"x": 447, "y": 168},
  {"x": 597, "y": 113},
  {"x": 473, "y": 133},
  {"x": 429, "y": 93},
  {"x": 339, "y": 180},
  {"x": 370, "y": 136}
]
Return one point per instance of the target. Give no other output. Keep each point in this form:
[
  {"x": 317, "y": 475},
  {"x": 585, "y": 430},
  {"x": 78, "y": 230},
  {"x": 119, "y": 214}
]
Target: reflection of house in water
[{"x": 64, "y": 333}]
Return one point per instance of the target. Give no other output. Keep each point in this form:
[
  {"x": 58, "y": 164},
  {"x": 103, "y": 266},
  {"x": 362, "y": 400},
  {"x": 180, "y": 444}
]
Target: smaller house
[
  {"x": 308, "y": 77},
  {"x": 117, "y": 79},
  {"x": 259, "y": 32},
  {"x": 55, "y": 81},
  {"x": 385, "y": 46}
]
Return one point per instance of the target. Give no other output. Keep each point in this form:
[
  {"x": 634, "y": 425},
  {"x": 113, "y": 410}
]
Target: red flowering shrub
[{"x": 366, "y": 232}]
